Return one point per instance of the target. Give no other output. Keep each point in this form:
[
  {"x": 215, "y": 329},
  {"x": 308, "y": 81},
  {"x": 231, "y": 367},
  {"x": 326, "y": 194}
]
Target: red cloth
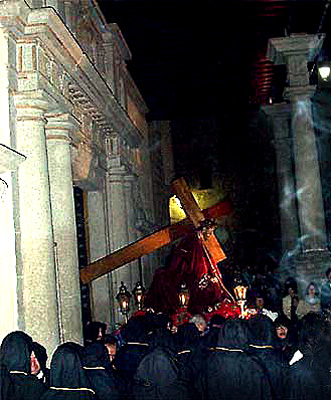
[{"x": 188, "y": 265}]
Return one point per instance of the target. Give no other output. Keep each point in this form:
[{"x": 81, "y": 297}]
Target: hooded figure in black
[
  {"x": 228, "y": 372},
  {"x": 136, "y": 342},
  {"x": 15, "y": 358},
  {"x": 157, "y": 376},
  {"x": 261, "y": 348},
  {"x": 188, "y": 353},
  {"x": 68, "y": 380},
  {"x": 105, "y": 381},
  {"x": 310, "y": 376},
  {"x": 40, "y": 370}
]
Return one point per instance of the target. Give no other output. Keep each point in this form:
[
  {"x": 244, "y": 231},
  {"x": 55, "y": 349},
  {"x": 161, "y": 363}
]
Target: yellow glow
[{"x": 204, "y": 198}]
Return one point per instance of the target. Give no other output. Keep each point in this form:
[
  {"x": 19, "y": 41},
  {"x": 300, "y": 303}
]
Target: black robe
[
  {"x": 157, "y": 376},
  {"x": 68, "y": 380},
  {"x": 188, "y": 355},
  {"x": 135, "y": 345},
  {"x": 17, "y": 382},
  {"x": 262, "y": 349},
  {"x": 308, "y": 381},
  {"x": 104, "y": 380},
  {"x": 228, "y": 372}
]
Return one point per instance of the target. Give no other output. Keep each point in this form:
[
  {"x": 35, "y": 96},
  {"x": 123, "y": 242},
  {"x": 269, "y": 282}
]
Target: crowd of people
[
  {"x": 276, "y": 353},
  {"x": 147, "y": 359}
]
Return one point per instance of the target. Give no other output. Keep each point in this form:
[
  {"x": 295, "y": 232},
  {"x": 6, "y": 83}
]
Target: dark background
[{"x": 202, "y": 65}]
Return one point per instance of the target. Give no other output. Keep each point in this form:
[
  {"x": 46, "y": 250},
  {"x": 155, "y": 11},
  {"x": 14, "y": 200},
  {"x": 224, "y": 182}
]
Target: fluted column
[
  {"x": 58, "y": 130},
  {"x": 280, "y": 115},
  {"x": 37, "y": 302}
]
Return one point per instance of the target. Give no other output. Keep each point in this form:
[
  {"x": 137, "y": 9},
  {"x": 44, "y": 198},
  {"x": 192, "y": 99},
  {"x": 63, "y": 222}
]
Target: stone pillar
[
  {"x": 101, "y": 301},
  {"x": 280, "y": 114},
  {"x": 295, "y": 51},
  {"x": 129, "y": 181},
  {"x": 36, "y": 281},
  {"x": 9, "y": 161},
  {"x": 117, "y": 220},
  {"x": 58, "y": 130}
]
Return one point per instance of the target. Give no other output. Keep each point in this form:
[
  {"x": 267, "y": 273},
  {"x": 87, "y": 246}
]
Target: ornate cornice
[{"x": 86, "y": 85}]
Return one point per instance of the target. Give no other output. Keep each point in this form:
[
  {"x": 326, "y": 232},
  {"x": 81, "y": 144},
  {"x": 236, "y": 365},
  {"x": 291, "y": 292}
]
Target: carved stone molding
[{"x": 9, "y": 159}]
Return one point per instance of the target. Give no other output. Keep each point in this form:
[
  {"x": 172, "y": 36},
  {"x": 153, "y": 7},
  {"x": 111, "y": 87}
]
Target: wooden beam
[
  {"x": 148, "y": 244},
  {"x": 193, "y": 211}
]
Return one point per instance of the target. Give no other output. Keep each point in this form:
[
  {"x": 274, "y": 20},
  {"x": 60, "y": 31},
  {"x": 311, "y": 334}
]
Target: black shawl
[
  {"x": 15, "y": 353},
  {"x": 67, "y": 378},
  {"x": 228, "y": 372},
  {"x": 105, "y": 381}
]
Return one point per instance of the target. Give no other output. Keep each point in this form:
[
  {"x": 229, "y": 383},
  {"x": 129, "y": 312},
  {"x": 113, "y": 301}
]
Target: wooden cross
[{"x": 164, "y": 236}]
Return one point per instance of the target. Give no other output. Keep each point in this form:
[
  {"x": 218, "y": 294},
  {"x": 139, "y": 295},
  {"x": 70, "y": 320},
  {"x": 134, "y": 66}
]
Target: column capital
[
  {"x": 62, "y": 126},
  {"x": 279, "y": 49},
  {"x": 295, "y": 51},
  {"x": 297, "y": 93},
  {"x": 31, "y": 106}
]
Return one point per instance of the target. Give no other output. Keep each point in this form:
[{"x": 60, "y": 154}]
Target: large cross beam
[
  {"x": 163, "y": 237},
  {"x": 193, "y": 211}
]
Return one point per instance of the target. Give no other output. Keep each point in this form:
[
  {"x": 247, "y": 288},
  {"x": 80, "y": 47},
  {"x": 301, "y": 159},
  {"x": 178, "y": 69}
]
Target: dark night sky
[{"x": 202, "y": 60}]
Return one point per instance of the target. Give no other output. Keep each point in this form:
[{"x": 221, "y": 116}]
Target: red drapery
[{"x": 188, "y": 264}]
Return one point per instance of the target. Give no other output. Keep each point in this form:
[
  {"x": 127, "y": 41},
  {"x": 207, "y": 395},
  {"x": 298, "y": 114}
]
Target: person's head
[
  {"x": 66, "y": 367},
  {"x": 110, "y": 343},
  {"x": 281, "y": 325},
  {"x": 95, "y": 331},
  {"x": 261, "y": 331},
  {"x": 35, "y": 364},
  {"x": 314, "y": 332},
  {"x": 312, "y": 290},
  {"x": 199, "y": 322},
  {"x": 15, "y": 352},
  {"x": 291, "y": 287},
  {"x": 259, "y": 301},
  {"x": 40, "y": 354}
]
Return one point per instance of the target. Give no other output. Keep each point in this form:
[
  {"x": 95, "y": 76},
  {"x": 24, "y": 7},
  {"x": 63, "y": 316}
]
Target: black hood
[
  {"x": 96, "y": 355},
  {"x": 66, "y": 367},
  {"x": 15, "y": 352}
]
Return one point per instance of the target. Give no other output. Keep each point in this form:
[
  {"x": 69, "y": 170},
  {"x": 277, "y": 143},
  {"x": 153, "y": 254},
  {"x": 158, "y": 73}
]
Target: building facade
[{"x": 72, "y": 117}]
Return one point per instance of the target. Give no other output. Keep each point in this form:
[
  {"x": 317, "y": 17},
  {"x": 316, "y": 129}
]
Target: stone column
[
  {"x": 129, "y": 181},
  {"x": 58, "y": 130},
  {"x": 295, "y": 51},
  {"x": 280, "y": 114},
  {"x": 117, "y": 220},
  {"x": 99, "y": 247},
  {"x": 37, "y": 299},
  {"x": 9, "y": 161}
]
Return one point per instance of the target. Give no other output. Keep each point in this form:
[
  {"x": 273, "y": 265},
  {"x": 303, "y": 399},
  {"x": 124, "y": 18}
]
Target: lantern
[
  {"x": 183, "y": 296},
  {"x": 123, "y": 298},
  {"x": 240, "y": 292},
  {"x": 138, "y": 293}
]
